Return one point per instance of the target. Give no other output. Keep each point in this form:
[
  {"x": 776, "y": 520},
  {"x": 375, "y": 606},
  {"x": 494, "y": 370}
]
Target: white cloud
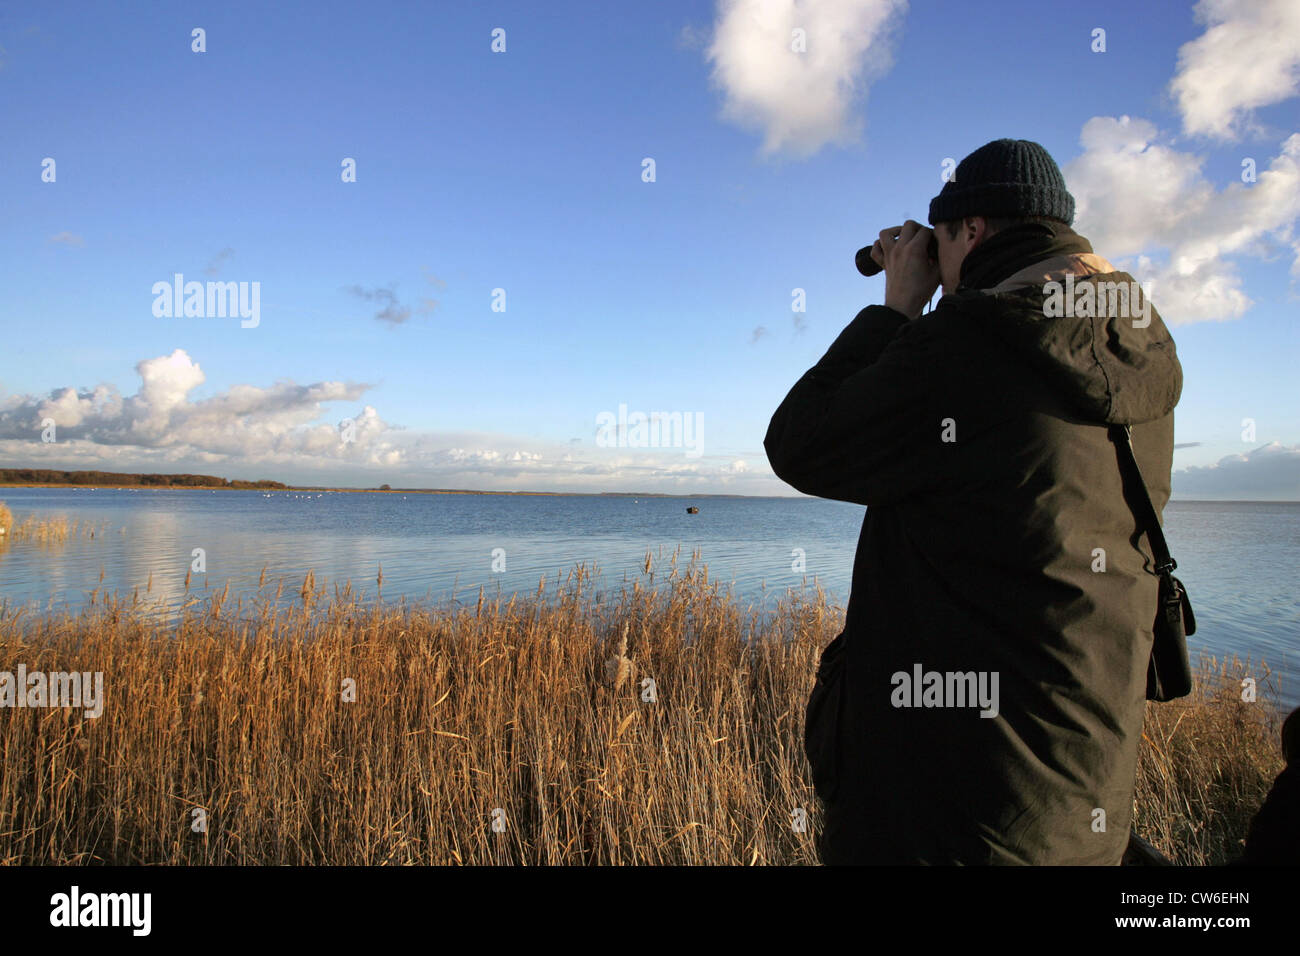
[
  {"x": 1248, "y": 57},
  {"x": 1136, "y": 194},
  {"x": 1129, "y": 189},
  {"x": 1270, "y": 472},
  {"x": 244, "y": 420},
  {"x": 801, "y": 100},
  {"x": 277, "y": 432}
]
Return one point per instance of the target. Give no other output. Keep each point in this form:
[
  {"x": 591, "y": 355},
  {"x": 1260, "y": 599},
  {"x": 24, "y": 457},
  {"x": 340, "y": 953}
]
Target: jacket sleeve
[{"x": 859, "y": 425}]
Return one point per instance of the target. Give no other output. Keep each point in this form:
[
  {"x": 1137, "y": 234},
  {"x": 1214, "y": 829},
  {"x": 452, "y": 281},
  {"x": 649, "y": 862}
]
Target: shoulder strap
[{"x": 1145, "y": 511}]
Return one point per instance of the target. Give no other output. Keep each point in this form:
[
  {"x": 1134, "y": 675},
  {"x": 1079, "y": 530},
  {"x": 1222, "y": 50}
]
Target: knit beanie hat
[{"x": 1005, "y": 178}]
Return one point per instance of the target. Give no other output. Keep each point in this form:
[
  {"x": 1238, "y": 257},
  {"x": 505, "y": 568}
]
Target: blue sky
[{"x": 522, "y": 171}]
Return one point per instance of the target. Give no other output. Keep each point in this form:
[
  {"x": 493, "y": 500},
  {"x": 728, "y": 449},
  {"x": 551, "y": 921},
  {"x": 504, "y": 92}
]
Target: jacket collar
[
  {"x": 1054, "y": 269},
  {"x": 1016, "y": 249}
]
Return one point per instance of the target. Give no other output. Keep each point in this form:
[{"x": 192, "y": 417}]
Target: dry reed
[
  {"x": 1207, "y": 762},
  {"x": 53, "y": 530}
]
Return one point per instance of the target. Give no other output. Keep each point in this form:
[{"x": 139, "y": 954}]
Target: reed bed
[
  {"x": 49, "y": 530},
  {"x": 1207, "y": 762},
  {"x": 493, "y": 733},
  {"x": 659, "y": 725}
]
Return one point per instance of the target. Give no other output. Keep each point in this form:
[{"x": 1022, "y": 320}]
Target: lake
[{"x": 1238, "y": 559}]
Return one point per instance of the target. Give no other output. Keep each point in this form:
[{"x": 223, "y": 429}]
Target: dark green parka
[{"x": 998, "y": 547}]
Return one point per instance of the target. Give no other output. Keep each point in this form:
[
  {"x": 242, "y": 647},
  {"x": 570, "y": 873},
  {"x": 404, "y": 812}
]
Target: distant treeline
[{"x": 41, "y": 476}]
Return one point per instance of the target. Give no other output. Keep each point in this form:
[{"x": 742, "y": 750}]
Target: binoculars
[{"x": 869, "y": 267}]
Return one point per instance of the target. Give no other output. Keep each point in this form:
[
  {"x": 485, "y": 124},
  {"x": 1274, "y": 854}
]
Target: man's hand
[{"x": 910, "y": 275}]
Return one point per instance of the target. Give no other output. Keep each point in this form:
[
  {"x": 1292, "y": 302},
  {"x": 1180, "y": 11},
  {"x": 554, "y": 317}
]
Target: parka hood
[{"x": 1090, "y": 329}]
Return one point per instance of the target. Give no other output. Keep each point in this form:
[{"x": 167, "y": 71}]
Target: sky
[{"x": 476, "y": 241}]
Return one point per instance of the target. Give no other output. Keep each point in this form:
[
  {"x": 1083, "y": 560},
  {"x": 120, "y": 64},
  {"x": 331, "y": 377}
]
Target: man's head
[{"x": 1003, "y": 183}]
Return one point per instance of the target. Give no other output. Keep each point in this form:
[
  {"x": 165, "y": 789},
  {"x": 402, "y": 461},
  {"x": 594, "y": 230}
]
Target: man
[{"x": 984, "y": 703}]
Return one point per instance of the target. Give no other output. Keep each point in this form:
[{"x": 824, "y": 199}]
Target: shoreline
[
  {"x": 551, "y": 494},
  {"x": 391, "y": 491}
]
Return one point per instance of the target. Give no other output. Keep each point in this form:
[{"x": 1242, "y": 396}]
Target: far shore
[{"x": 382, "y": 491}]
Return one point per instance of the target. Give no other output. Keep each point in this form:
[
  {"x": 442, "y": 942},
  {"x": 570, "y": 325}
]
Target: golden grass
[
  {"x": 531, "y": 713},
  {"x": 1206, "y": 764},
  {"x": 54, "y": 530}
]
